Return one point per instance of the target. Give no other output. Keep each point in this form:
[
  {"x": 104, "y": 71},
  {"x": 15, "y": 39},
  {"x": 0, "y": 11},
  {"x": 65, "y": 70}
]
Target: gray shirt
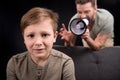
[
  {"x": 104, "y": 23},
  {"x": 58, "y": 67}
]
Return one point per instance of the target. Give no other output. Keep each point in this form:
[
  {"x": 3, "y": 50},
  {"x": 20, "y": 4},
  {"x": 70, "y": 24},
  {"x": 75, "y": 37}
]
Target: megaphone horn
[{"x": 78, "y": 26}]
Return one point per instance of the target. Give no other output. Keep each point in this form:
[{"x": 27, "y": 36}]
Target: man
[{"x": 99, "y": 32}]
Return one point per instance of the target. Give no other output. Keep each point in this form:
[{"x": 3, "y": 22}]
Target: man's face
[{"x": 86, "y": 11}]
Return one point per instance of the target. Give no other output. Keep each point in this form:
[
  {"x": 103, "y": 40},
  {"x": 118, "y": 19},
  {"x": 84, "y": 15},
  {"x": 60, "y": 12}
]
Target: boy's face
[
  {"x": 86, "y": 10},
  {"x": 39, "y": 38}
]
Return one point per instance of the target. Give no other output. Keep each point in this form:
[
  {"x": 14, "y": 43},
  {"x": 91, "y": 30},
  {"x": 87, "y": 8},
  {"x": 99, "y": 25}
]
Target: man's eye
[
  {"x": 87, "y": 12},
  {"x": 79, "y": 12}
]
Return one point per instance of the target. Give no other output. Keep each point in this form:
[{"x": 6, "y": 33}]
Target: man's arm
[{"x": 98, "y": 42}]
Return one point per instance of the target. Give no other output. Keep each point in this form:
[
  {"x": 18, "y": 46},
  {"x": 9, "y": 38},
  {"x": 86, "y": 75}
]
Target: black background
[{"x": 11, "y": 41}]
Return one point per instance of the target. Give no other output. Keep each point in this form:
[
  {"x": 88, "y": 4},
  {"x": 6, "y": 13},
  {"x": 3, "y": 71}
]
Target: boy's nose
[{"x": 38, "y": 41}]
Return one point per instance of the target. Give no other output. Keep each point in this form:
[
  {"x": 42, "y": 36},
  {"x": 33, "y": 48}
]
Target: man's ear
[
  {"x": 96, "y": 7},
  {"x": 55, "y": 36}
]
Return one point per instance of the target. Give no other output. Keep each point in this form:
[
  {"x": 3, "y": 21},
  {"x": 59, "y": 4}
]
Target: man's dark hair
[{"x": 85, "y": 1}]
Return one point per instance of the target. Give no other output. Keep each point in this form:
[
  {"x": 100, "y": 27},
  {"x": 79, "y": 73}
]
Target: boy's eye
[
  {"x": 45, "y": 35},
  {"x": 31, "y": 35}
]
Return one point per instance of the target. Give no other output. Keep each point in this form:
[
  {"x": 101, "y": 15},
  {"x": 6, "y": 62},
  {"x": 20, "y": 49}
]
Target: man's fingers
[
  {"x": 61, "y": 29},
  {"x": 63, "y": 25}
]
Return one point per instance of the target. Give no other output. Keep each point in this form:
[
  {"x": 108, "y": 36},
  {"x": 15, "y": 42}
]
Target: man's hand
[
  {"x": 65, "y": 34},
  {"x": 86, "y": 34}
]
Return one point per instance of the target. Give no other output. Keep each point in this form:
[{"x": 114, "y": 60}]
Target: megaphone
[{"x": 78, "y": 26}]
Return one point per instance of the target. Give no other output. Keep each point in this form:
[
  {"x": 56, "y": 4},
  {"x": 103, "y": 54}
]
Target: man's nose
[{"x": 82, "y": 15}]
